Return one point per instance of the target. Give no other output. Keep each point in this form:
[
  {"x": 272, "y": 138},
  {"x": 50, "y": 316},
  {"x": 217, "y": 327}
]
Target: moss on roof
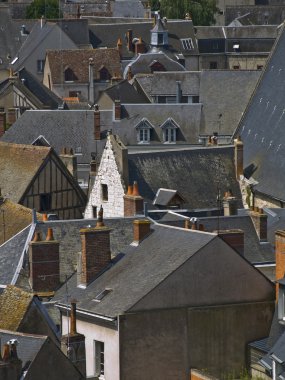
[{"x": 14, "y": 304}]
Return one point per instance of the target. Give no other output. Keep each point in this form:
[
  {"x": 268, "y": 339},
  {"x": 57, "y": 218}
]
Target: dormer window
[
  {"x": 143, "y": 131},
  {"x": 104, "y": 73},
  {"x": 69, "y": 75},
  {"x": 187, "y": 43},
  {"x": 281, "y": 301},
  {"x": 169, "y": 129},
  {"x": 156, "y": 66}
]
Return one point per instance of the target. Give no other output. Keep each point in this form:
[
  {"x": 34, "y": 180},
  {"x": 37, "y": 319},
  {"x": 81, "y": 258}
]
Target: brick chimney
[
  {"x": 140, "y": 47},
  {"x": 73, "y": 344},
  {"x": 141, "y": 229},
  {"x": 238, "y": 157},
  {"x": 11, "y": 116},
  {"x": 117, "y": 110},
  {"x": 2, "y": 123},
  {"x": 234, "y": 238},
  {"x": 97, "y": 124},
  {"x": 91, "y": 80},
  {"x": 130, "y": 39},
  {"x": 259, "y": 220},
  {"x": 229, "y": 204},
  {"x": 44, "y": 263},
  {"x": 129, "y": 73},
  {"x": 70, "y": 161},
  {"x": 10, "y": 365},
  {"x": 133, "y": 202},
  {"x": 96, "y": 252},
  {"x": 120, "y": 46},
  {"x": 279, "y": 257}
]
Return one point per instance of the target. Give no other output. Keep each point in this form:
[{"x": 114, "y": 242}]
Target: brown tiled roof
[
  {"x": 78, "y": 62},
  {"x": 18, "y": 166},
  {"x": 13, "y": 218},
  {"x": 14, "y": 304}
]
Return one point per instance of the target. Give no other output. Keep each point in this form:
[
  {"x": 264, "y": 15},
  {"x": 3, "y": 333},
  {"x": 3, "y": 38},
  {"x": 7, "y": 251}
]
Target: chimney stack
[
  {"x": 141, "y": 229},
  {"x": 178, "y": 91},
  {"x": 234, "y": 238},
  {"x": 97, "y": 124},
  {"x": 229, "y": 204},
  {"x": 259, "y": 220},
  {"x": 69, "y": 160},
  {"x": 130, "y": 39},
  {"x": 96, "y": 251},
  {"x": 133, "y": 202},
  {"x": 117, "y": 110},
  {"x": 91, "y": 80},
  {"x": 279, "y": 257},
  {"x": 73, "y": 344},
  {"x": 139, "y": 47},
  {"x": 10, "y": 365},
  {"x": 238, "y": 157},
  {"x": 2, "y": 123},
  {"x": 120, "y": 46},
  {"x": 44, "y": 263}
]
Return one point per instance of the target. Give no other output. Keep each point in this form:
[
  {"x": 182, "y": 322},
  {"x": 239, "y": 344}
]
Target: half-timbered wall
[{"x": 53, "y": 191}]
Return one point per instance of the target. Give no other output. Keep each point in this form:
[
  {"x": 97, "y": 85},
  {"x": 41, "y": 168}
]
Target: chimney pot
[
  {"x": 37, "y": 237},
  {"x": 6, "y": 352},
  {"x": 130, "y": 190},
  {"x": 73, "y": 318},
  {"x": 100, "y": 222},
  {"x": 201, "y": 227},
  {"x": 45, "y": 218},
  {"x": 49, "y": 236},
  {"x": 136, "y": 189},
  {"x": 187, "y": 224},
  {"x": 238, "y": 157}
]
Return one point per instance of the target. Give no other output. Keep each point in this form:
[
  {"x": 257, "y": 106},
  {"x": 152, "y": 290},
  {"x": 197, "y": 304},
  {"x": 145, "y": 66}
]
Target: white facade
[
  {"x": 109, "y": 337},
  {"x": 108, "y": 189}
]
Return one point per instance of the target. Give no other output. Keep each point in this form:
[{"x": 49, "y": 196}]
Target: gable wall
[{"x": 109, "y": 175}]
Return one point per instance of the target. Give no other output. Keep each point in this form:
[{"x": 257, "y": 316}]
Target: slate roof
[
  {"x": 11, "y": 253},
  {"x": 126, "y": 93},
  {"x": 78, "y": 61},
  {"x": 106, "y": 35},
  {"x": 256, "y": 14},
  {"x": 254, "y": 252},
  {"x": 18, "y": 166},
  {"x": 14, "y": 303},
  {"x": 16, "y": 217},
  {"x": 28, "y": 345},
  {"x": 261, "y": 127},
  {"x": 76, "y": 29},
  {"x": 164, "y": 196},
  {"x": 196, "y": 173},
  {"x": 140, "y": 270}
]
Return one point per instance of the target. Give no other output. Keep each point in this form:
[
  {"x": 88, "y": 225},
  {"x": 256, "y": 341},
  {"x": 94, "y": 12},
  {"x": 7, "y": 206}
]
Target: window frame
[
  {"x": 40, "y": 66},
  {"x": 143, "y": 129},
  {"x": 104, "y": 192},
  {"x": 99, "y": 359},
  {"x": 187, "y": 43}
]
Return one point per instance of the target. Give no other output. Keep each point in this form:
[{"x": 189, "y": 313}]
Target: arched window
[
  {"x": 69, "y": 75},
  {"x": 104, "y": 74}
]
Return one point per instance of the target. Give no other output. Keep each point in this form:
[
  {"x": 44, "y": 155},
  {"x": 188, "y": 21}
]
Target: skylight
[{"x": 102, "y": 294}]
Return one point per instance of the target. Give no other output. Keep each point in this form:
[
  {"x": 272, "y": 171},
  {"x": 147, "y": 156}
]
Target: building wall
[
  {"x": 205, "y": 60},
  {"x": 166, "y": 344},
  {"x": 246, "y": 62},
  {"x": 110, "y": 338},
  {"x": 109, "y": 175}
]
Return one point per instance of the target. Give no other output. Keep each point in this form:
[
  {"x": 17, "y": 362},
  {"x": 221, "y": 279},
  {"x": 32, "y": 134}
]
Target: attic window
[
  {"x": 69, "y": 75},
  {"x": 104, "y": 192},
  {"x": 143, "y": 131},
  {"x": 169, "y": 128},
  {"x": 104, "y": 74},
  {"x": 156, "y": 66},
  {"x": 102, "y": 294},
  {"x": 187, "y": 43}
]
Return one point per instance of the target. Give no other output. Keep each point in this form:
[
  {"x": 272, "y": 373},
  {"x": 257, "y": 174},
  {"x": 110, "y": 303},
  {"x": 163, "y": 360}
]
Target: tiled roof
[
  {"x": 14, "y": 303},
  {"x": 78, "y": 61},
  {"x": 18, "y": 166}
]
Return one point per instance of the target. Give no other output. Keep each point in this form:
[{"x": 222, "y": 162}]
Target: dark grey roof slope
[
  {"x": 196, "y": 173},
  {"x": 28, "y": 345},
  {"x": 10, "y": 256},
  {"x": 76, "y": 29},
  {"x": 139, "y": 271},
  {"x": 126, "y": 93},
  {"x": 262, "y": 130},
  {"x": 254, "y": 252}
]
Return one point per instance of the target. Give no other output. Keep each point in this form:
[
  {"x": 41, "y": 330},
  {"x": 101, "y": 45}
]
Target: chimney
[
  {"x": 187, "y": 224},
  {"x": 117, "y": 110},
  {"x": 279, "y": 257},
  {"x": 73, "y": 344},
  {"x": 139, "y": 47},
  {"x": 2, "y": 123},
  {"x": 178, "y": 92},
  {"x": 11, "y": 116},
  {"x": 129, "y": 74},
  {"x": 42, "y": 22},
  {"x": 259, "y": 220},
  {"x": 130, "y": 39},
  {"x": 229, "y": 204},
  {"x": 97, "y": 124},
  {"x": 238, "y": 157},
  {"x": 96, "y": 252},
  {"x": 133, "y": 202},
  {"x": 141, "y": 229},
  {"x": 120, "y": 46},
  {"x": 11, "y": 365},
  {"x": 44, "y": 263},
  {"x": 234, "y": 238},
  {"x": 69, "y": 160},
  {"x": 91, "y": 81}
]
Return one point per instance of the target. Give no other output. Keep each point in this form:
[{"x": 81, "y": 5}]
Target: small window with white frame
[
  {"x": 99, "y": 359},
  {"x": 187, "y": 43},
  {"x": 143, "y": 129},
  {"x": 169, "y": 129},
  {"x": 281, "y": 302}
]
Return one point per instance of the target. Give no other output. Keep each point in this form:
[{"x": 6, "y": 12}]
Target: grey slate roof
[
  {"x": 10, "y": 254},
  {"x": 139, "y": 271},
  {"x": 261, "y": 127},
  {"x": 126, "y": 93},
  {"x": 28, "y": 345},
  {"x": 196, "y": 173},
  {"x": 254, "y": 252}
]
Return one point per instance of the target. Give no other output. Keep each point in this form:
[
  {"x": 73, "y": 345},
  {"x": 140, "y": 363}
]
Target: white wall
[{"x": 111, "y": 344}]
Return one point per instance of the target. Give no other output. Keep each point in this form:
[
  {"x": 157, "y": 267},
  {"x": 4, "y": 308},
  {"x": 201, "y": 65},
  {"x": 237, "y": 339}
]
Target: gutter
[{"x": 87, "y": 313}]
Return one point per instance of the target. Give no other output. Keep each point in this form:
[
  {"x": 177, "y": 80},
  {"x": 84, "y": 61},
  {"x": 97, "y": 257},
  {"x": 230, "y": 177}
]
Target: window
[
  {"x": 102, "y": 294},
  {"x": 160, "y": 38},
  {"x": 213, "y": 65},
  {"x": 104, "y": 74},
  {"x": 78, "y": 150},
  {"x": 236, "y": 67},
  {"x": 143, "y": 131},
  {"x": 74, "y": 94},
  {"x": 45, "y": 202},
  {"x": 94, "y": 212},
  {"x": 169, "y": 128},
  {"x": 40, "y": 65},
  {"x": 69, "y": 75},
  {"x": 281, "y": 303},
  {"x": 99, "y": 359},
  {"x": 104, "y": 192},
  {"x": 156, "y": 66},
  {"x": 259, "y": 67},
  {"x": 187, "y": 43},
  {"x": 195, "y": 99}
]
